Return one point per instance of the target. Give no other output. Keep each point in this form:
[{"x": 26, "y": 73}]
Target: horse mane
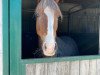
[{"x": 50, "y": 3}]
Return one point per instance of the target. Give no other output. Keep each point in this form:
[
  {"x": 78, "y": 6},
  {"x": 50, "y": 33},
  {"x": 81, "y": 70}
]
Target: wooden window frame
[{"x": 12, "y": 62}]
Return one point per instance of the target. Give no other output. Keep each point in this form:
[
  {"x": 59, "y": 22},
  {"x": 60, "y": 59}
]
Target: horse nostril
[
  {"x": 56, "y": 46},
  {"x": 44, "y": 46}
]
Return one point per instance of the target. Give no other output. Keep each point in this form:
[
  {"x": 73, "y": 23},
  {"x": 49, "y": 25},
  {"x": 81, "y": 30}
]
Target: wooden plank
[
  {"x": 93, "y": 67},
  {"x": 1, "y": 65},
  {"x": 51, "y": 69},
  {"x": 98, "y": 67},
  {"x": 30, "y": 69},
  {"x": 36, "y": 69},
  {"x": 87, "y": 23},
  {"x": 99, "y": 34},
  {"x": 39, "y": 70},
  {"x": 56, "y": 68},
  {"x": 84, "y": 67},
  {"x": 15, "y": 37},
  {"x": 5, "y": 38},
  {"x": 74, "y": 68},
  {"x": 63, "y": 68}
]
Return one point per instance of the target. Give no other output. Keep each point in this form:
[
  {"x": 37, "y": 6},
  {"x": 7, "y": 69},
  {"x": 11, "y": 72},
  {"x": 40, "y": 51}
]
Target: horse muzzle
[{"x": 49, "y": 49}]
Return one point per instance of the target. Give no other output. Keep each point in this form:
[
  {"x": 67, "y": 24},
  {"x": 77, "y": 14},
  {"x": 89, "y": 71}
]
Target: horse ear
[
  {"x": 37, "y": 1},
  {"x": 58, "y": 1}
]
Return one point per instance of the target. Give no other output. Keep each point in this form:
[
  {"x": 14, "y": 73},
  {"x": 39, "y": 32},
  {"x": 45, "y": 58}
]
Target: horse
[{"x": 47, "y": 14}]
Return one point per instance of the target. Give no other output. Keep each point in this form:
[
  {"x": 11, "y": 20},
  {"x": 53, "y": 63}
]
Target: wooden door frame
[{"x": 5, "y": 38}]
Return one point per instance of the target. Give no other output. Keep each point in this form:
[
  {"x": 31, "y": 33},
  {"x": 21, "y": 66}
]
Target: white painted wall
[
  {"x": 1, "y": 37},
  {"x": 0, "y": 26}
]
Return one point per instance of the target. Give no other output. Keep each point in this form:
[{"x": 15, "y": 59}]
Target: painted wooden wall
[
  {"x": 1, "y": 63},
  {"x": 84, "y": 28},
  {"x": 85, "y": 67},
  {"x": 85, "y": 21}
]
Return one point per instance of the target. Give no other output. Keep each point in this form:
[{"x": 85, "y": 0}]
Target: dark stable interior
[{"x": 80, "y": 22}]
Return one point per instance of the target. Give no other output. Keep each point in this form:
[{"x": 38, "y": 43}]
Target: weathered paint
[
  {"x": 84, "y": 67},
  {"x": 5, "y": 38}
]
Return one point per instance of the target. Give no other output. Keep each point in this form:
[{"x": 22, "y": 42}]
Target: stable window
[{"x": 77, "y": 33}]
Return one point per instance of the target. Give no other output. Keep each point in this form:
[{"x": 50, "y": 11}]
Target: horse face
[{"x": 47, "y": 22}]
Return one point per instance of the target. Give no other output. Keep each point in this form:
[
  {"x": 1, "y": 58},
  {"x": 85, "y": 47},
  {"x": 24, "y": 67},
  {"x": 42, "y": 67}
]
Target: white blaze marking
[{"x": 50, "y": 15}]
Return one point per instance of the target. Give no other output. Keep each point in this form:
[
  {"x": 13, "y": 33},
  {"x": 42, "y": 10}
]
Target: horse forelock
[{"x": 48, "y": 3}]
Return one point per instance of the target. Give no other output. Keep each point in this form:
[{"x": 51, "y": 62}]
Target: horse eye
[
  {"x": 59, "y": 18},
  {"x": 36, "y": 14}
]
